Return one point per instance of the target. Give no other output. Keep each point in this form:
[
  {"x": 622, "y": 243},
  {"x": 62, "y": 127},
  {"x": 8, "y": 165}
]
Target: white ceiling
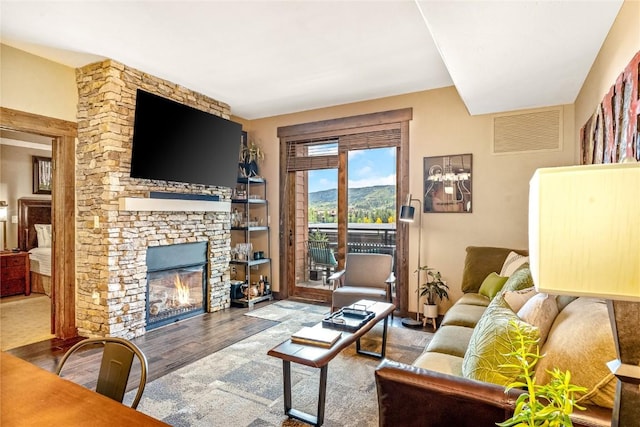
[{"x": 267, "y": 57}]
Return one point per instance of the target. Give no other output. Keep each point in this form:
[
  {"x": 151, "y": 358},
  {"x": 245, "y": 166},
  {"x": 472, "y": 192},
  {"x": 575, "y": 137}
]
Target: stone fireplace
[{"x": 113, "y": 232}]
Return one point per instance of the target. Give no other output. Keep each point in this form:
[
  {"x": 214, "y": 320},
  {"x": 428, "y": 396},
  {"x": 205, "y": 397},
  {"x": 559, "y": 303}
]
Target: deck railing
[{"x": 362, "y": 238}]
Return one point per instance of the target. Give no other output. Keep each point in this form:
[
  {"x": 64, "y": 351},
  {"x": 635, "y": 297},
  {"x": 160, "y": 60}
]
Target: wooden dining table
[{"x": 31, "y": 396}]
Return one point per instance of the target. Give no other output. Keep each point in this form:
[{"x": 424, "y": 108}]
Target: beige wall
[
  {"x": 15, "y": 182},
  {"x": 441, "y": 125},
  {"x": 36, "y": 85},
  {"x": 622, "y": 43}
]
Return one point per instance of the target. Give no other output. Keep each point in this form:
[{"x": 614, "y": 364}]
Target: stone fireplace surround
[{"x": 112, "y": 233}]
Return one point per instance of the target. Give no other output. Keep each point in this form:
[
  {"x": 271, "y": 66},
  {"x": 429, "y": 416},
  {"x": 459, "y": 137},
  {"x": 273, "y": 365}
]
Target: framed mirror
[{"x": 447, "y": 183}]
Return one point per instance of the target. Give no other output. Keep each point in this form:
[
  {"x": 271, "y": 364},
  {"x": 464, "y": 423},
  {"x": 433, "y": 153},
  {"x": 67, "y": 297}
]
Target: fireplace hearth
[{"x": 176, "y": 282}]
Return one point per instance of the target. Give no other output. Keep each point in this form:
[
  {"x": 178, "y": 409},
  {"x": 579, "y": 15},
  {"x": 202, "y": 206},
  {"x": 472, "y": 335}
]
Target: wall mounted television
[{"x": 175, "y": 142}]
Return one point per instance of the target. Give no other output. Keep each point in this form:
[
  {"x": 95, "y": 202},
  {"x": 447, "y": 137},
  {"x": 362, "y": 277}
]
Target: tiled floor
[{"x": 24, "y": 320}]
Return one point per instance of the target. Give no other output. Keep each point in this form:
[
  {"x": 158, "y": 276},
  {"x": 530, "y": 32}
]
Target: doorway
[
  {"x": 369, "y": 214},
  {"x": 63, "y": 135},
  {"x": 340, "y": 191},
  {"x": 26, "y": 303}
]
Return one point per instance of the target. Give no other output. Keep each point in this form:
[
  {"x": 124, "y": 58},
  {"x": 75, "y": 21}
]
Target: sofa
[{"x": 459, "y": 379}]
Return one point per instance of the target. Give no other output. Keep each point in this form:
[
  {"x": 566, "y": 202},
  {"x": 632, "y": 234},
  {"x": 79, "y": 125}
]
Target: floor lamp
[
  {"x": 407, "y": 214},
  {"x": 584, "y": 240}
]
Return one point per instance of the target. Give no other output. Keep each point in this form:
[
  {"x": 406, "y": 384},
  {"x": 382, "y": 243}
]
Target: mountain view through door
[{"x": 370, "y": 214}]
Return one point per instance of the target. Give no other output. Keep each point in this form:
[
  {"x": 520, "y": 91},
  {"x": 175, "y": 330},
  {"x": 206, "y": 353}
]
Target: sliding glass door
[
  {"x": 329, "y": 225},
  {"x": 339, "y": 188}
]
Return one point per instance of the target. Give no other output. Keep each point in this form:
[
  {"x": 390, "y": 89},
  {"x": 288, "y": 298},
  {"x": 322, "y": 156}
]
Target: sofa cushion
[
  {"x": 479, "y": 262},
  {"x": 452, "y": 340},
  {"x": 463, "y": 315},
  {"x": 474, "y": 299},
  {"x": 516, "y": 299},
  {"x": 491, "y": 285},
  {"x": 540, "y": 311},
  {"x": 512, "y": 263},
  {"x": 440, "y": 362},
  {"x": 581, "y": 341},
  {"x": 347, "y": 295},
  {"x": 490, "y": 344}
]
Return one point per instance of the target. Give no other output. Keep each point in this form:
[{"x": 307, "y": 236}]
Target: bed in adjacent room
[{"x": 34, "y": 236}]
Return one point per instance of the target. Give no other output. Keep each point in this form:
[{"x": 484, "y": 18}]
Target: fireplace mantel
[{"x": 172, "y": 205}]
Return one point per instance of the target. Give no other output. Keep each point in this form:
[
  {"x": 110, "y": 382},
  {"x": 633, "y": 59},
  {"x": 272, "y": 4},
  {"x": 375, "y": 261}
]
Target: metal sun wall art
[{"x": 447, "y": 183}]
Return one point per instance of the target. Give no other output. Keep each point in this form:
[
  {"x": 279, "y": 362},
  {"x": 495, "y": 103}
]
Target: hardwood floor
[{"x": 166, "y": 348}]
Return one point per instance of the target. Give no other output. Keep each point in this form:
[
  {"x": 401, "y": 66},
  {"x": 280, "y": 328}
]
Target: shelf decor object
[
  {"x": 584, "y": 240},
  {"x": 407, "y": 214}
]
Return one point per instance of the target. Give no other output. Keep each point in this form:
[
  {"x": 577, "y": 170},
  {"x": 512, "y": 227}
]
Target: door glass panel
[
  {"x": 316, "y": 207},
  {"x": 372, "y": 201},
  {"x": 369, "y": 215}
]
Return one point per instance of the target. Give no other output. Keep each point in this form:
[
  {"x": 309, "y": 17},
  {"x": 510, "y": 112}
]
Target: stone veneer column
[{"x": 111, "y": 258}]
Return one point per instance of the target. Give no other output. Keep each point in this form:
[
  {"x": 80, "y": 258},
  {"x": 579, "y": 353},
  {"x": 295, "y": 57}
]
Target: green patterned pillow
[
  {"x": 492, "y": 339},
  {"x": 520, "y": 279}
]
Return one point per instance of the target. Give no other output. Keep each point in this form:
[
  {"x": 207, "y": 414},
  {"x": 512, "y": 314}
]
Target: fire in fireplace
[{"x": 176, "y": 282}]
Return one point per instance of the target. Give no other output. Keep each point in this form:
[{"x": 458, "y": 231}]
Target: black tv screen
[{"x": 175, "y": 142}]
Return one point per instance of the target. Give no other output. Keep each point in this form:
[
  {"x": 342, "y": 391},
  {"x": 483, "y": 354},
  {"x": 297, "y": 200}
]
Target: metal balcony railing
[{"x": 362, "y": 238}]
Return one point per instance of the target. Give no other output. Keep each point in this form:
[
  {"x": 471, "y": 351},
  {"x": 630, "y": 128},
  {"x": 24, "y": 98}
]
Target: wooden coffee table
[{"x": 318, "y": 357}]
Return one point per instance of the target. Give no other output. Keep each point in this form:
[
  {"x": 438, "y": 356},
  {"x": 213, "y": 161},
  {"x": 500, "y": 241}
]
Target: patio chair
[
  {"x": 115, "y": 367},
  {"x": 365, "y": 276},
  {"x": 321, "y": 256}
]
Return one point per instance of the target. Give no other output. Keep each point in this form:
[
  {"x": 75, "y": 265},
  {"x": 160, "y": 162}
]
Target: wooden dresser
[{"x": 14, "y": 273}]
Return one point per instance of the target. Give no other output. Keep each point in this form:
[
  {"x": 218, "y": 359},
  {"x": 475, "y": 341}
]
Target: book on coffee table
[{"x": 316, "y": 336}]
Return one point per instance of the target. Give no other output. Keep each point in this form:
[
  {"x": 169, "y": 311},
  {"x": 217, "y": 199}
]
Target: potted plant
[
  {"x": 434, "y": 289},
  {"x": 540, "y": 405},
  {"x": 318, "y": 236}
]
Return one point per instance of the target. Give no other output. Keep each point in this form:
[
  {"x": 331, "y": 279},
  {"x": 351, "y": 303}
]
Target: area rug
[
  {"x": 242, "y": 386},
  {"x": 25, "y": 321}
]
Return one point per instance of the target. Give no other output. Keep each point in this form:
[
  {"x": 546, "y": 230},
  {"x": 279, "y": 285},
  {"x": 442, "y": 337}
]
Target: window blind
[{"x": 322, "y": 153}]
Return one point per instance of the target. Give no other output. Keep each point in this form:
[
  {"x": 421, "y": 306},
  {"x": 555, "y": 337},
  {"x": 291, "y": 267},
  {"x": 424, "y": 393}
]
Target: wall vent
[{"x": 524, "y": 132}]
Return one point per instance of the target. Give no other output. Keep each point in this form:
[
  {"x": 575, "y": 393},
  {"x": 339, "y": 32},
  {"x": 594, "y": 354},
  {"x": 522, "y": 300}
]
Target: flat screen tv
[{"x": 175, "y": 142}]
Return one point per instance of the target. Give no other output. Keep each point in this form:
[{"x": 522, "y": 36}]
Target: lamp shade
[
  {"x": 407, "y": 213},
  {"x": 3, "y": 211},
  {"x": 584, "y": 230}
]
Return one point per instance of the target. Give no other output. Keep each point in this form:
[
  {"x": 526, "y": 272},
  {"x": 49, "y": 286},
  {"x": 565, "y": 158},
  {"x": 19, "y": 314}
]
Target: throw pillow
[
  {"x": 520, "y": 279},
  {"x": 540, "y": 311},
  {"x": 581, "y": 341},
  {"x": 564, "y": 300},
  {"x": 43, "y": 231},
  {"x": 511, "y": 264},
  {"x": 491, "y": 285},
  {"x": 478, "y": 263},
  {"x": 516, "y": 299},
  {"x": 491, "y": 342}
]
